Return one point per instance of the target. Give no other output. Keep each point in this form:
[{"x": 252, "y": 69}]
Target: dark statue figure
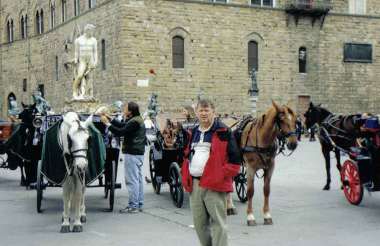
[
  {"x": 153, "y": 106},
  {"x": 254, "y": 90}
]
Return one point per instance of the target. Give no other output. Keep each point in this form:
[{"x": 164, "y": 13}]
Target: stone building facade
[{"x": 136, "y": 36}]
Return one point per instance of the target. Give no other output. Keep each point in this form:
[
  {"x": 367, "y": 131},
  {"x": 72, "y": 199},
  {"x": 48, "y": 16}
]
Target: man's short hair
[{"x": 204, "y": 103}]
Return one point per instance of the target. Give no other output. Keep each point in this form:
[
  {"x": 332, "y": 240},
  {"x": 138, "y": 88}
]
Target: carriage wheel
[
  {"x": 353, "y": 190},
  {"x": 153, "y": 173},
  {"x": 175, "y": 184},
  {"x": 112, "y": 185},
  {"x": 39, "y": 187},
  {"x": 241, "y": 183}
]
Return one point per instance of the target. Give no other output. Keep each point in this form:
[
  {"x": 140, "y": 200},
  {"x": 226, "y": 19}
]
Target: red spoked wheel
[{"x": 352, "y": 187}]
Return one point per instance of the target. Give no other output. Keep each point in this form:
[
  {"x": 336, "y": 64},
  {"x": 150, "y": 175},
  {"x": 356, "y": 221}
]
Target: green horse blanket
[{"x": 53, "y": 163}]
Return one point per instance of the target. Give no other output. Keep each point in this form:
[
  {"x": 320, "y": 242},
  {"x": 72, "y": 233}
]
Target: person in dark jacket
[
  {"x": 212, "y": 159},
  {"x": 133, "y": 131}
]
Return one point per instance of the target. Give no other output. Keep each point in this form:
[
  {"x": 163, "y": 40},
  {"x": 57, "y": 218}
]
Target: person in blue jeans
[{"x": 133, "y": 131}]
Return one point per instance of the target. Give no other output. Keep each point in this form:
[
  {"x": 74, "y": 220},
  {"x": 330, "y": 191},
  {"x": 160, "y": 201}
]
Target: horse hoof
[
  {"x": 65, "y": 229},
  {"x": 231, "y": 211},
  {"x": 83, "y": 219},
  {"x": 268, "y": 221},
  {"x": 327, "y": 187},
  {"x": 251, "y": 222},
  {"x": 77, "y": 228}
]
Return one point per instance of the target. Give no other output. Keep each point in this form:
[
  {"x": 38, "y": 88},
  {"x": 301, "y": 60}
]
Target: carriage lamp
[{"x": 254, "y": 90}]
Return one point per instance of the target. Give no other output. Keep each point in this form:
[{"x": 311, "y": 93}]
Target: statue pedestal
[{"x": 87, "y": 105}]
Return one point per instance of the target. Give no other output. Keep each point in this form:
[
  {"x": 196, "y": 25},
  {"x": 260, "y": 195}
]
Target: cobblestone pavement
[{"x": 303, "y": 214}]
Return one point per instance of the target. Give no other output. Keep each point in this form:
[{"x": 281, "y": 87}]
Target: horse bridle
[
  {"x": 271, "y": 150},
  {"x": 72, "y": 156}
]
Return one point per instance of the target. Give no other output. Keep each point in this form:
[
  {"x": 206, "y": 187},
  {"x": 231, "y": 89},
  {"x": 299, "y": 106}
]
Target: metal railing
[{"x": 309, "y": 4}]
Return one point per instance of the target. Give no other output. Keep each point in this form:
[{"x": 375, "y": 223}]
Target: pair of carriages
[
  {"x": 362, "y": 169},
  {"x": 166, "y": 155}
]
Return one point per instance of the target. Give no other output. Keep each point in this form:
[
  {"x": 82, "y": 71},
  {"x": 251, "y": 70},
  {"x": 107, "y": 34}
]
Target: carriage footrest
[{"x": 118, "y": 186}]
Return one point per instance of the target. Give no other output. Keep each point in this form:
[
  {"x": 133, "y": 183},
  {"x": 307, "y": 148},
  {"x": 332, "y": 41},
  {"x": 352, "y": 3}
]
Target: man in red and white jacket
[{"x": 212, "y": 159}]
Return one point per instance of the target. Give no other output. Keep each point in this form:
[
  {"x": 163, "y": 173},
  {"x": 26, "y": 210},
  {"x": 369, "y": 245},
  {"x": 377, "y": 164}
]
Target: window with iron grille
[
  {"x": 253, "y": 56},
  {"x": 354, "y": 52},
  {"x": 178, "y": 49}
]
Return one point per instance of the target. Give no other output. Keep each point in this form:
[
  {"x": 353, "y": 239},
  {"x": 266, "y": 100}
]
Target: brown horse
[{"x": 259, "y": 146}]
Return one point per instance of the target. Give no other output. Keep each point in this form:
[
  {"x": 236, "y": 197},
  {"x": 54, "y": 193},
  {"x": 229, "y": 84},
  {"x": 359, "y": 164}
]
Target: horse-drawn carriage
[
  {"x": 166, "y": 155},
  {"x": 102, "y": 155},
  {"x": 362, "y": 169}
]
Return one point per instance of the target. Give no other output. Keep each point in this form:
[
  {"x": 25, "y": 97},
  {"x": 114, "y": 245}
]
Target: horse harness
[
  {"x": 71, "y": 156},
  {"x": 266, "y": 153},
  {"x": 330, "y": 123}
]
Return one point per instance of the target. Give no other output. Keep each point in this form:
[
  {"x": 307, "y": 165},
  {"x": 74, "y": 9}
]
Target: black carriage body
[
  {"x": 112, "y": 148},
  {"x": 163, "y": 164},
  {"x": 367, "y": 158}
]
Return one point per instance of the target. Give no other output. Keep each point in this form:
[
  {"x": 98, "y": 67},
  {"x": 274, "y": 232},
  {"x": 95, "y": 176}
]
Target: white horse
[{"x": 73, "y": 137}]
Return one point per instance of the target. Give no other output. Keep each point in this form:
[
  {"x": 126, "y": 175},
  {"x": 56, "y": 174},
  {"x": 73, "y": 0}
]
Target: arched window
[
  {"x": 63, "y": 10},
  {"x": 52, "y": 14},
  {"x": 76, "y": 7},
  {"x": 37, "y": 21},
  {"x": 178, "y": 52},
  {"x": 103, "y": 54},
  {"x": 41, "y": 21},
  {"x": 10, "y": 29},
  {"x": 253, "y": 56},
  {"x": 302, "y": 56},
  {"x": 26, "y": 26},
  {"x": 22, "y": 26}
]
